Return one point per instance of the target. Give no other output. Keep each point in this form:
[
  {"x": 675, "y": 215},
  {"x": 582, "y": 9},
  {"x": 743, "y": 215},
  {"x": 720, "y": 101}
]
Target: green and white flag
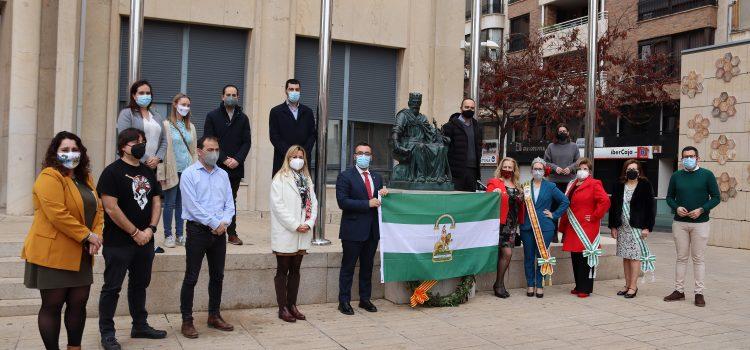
[{"x": 436, "y": 236}]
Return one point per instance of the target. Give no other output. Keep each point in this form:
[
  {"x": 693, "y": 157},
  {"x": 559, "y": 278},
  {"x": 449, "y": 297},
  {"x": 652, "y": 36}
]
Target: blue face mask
[
  {"x": 363, "y": 162},
  {"x": 689, "y": 163},
  {"x": 293, "y": 96},
  {"x": 143, "y": 100}
]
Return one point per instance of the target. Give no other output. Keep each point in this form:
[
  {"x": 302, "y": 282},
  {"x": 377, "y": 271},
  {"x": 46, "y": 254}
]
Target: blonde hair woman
[
  {"x": 181, "y": 153},
  {"x": 507, "y": 183},
  {"x": 293, "y": 213}
]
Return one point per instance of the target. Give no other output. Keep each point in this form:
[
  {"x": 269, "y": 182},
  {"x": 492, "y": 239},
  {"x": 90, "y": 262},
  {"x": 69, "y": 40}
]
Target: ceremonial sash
[
  {"x": 546, "y": 261},
  {"x": 647, "y": 259},
  {"x": 591, "y": 250}
]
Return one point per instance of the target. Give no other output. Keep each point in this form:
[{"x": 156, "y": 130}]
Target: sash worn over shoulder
[
  {"x": 546, "y": 261},
  {"x": 647, "y": 259},
  {"x": 591, "y": 250}
]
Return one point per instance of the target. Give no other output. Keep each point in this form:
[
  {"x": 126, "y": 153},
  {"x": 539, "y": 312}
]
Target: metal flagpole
[
  {"x": 474, "y": 74},
  {"x": 591, "y": 81},
  {"x": 135, "y": 41},
  {"x": 324, "y": 55}
]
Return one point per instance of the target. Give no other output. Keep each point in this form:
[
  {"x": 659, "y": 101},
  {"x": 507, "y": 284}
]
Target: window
[
  {"x": 673, "y": 46},
  {"x": 487, "y": 7},
  {"x": 648, "y": 9},
  {"x": 519, "y": 33},
  {"x": 491, "y": 34},
  {"x": 195, "y": 59},
  {"x": 362, "y": 90},
  {"x": 741, "y": 15}
]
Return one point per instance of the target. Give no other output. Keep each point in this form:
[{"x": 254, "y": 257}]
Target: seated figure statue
[{"x": 420, "y": 149}]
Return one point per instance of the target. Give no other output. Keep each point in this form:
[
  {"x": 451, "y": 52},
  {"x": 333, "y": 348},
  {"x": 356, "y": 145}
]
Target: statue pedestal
[{"x": 421, "y": 186}]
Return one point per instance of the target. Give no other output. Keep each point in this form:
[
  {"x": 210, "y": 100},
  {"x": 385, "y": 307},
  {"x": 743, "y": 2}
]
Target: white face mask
[
  {"x": 297, "y": 163},
  {"x": 537, "y": 174},
  {"x": 183, "y": 110},
  {"x": 582, "y": 174},
  {"x": 69, "y": 160}
]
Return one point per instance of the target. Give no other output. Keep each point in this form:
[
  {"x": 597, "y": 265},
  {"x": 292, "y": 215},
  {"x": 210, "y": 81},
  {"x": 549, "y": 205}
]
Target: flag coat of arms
[{"x": 436, "y": 236}]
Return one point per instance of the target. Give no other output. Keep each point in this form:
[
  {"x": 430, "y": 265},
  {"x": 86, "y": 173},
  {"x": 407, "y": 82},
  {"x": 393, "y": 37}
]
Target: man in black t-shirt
[{"x": 130, "y": 195}]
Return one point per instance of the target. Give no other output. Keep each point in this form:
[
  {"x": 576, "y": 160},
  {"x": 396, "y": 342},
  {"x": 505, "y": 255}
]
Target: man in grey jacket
[{"x": 561, "y": 156}]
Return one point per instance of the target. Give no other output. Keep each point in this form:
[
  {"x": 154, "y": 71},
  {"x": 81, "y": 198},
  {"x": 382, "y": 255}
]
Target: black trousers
[
  {"x": 581, "y": 272},
  {"x": 235, "y": 182},
  {"x": 201, "y": 242},
  {"x": 467, "y": 181},
  {"x": 364, "y": 252},
  {"x": 136, "y": 261}
]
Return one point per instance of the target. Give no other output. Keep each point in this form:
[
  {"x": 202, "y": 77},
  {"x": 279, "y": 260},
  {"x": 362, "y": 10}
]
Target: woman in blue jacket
[{"x": 543, "y": 193}]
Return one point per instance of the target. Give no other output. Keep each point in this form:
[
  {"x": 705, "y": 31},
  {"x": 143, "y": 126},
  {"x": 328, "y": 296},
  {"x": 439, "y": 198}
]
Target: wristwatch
[{"x": 153, "y": 228}]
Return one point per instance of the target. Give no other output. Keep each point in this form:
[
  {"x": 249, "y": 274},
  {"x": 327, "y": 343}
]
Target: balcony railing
[
  {"x": 575, "y": 22},
  {"x": 648, "y": 9}
]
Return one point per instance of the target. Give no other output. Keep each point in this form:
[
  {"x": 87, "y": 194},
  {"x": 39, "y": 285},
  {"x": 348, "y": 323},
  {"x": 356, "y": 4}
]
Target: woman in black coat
[{"x": 635, "y": 191}]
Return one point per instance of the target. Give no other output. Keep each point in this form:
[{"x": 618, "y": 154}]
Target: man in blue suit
[{"x": 357, "y": 190}]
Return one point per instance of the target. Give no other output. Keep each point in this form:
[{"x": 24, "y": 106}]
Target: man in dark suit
[
  {"x": 232, "y": 127},
  {"x": 291, "y": 123},
  {"x": 357, "y": 189}
]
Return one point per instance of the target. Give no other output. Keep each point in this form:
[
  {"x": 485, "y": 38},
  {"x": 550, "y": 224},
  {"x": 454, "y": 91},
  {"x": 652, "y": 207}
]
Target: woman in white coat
[{"x": 293, "y": 213}]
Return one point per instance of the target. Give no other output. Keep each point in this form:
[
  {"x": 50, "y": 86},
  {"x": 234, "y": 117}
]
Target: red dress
[{"x": 588, "y": 198}]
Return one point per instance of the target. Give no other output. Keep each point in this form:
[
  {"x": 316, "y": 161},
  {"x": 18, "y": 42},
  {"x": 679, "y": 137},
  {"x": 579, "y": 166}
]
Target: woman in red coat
[
  {"x": 506, "y": 182},
  {"x": 588, "y": 203}
]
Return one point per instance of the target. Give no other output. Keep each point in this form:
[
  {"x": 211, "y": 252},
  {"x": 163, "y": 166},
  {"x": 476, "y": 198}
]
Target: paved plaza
[{"x": 559, "y": 321}]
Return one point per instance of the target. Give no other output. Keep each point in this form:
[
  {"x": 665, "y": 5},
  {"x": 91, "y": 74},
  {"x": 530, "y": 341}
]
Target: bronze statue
[{"x": 420, "y": 149}]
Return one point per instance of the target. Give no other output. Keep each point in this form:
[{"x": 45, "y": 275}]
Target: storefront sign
[
  {"x": 638, "y": 152},
  {"x": 490, "y": 153}
]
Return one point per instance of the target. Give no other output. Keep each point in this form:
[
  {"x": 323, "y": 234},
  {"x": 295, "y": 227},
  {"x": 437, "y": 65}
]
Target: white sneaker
[
  {"x": 169, "y": 242},
  {"x": 181, "y": 241}
]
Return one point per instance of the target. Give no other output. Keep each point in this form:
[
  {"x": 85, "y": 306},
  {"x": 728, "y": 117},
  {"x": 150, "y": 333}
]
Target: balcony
[
  {"x": 554, "y": 34},
  {"x": 648, "y": 9}
]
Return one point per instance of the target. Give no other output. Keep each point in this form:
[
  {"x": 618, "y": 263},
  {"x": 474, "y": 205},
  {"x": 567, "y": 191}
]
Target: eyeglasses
[{"x": 362, "y": 154}]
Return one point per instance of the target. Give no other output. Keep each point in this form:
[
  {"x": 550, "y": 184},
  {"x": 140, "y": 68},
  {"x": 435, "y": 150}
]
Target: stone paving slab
[{"x": 558, "y": 321}]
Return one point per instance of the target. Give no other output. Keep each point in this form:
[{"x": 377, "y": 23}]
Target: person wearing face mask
[
  {"x": 138, "y": 114},
  {"x": 64, "y": 237},
  {"x": 465, "y": 147},
  {"x": 631, "y": 219},
  {"x": 130, "y": 194},
  {"x": 291, "y": 123},
  {"x": 507, "y": 183},
  {"x": 229, "y": 124},
  {"x": 294, "y": 209},
  {"x": 561, "y": 156},
  {"x": 580, "y": 226},
  {"x": 691, "y": 194},
  {"x": 536, "y": 232},
  {"x": 208, "y": 207},
  {"x": 181, "y": 152},
  {"x": 357, "y": 190}
]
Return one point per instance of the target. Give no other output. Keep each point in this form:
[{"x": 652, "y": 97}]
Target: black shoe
[
  {"x": 540, "y": 295},
  {"x": 148, "y": 332},
  {"x": 346, "y": 308},
  {"x": 110, "y": 343},
  {"x": 368, "y": 306},
  {"x": 631, "y": 296},
  {"x": 622, "y": 292}
]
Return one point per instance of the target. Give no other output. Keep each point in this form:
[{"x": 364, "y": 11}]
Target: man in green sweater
[{"x": 692, "y": 193}]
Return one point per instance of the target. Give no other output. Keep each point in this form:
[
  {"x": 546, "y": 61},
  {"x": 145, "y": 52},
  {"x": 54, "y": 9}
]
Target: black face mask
[
  {"x": 138, "y": 151},
  {"x": 561, "y": 136},
  {"x": 631, "y": 174},
  {"x": 467, "y": 114}
]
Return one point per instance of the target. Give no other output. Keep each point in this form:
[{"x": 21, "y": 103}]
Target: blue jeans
[
  {"x": 173, "y": 206},
  {"x": 530, "y": 254}
]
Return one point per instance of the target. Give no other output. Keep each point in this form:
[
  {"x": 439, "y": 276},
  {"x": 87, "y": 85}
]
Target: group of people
[{"x": 198, "y": 180}]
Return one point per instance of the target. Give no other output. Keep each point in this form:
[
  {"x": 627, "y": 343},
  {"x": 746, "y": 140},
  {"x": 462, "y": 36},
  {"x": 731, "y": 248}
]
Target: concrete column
[
  {"x": 66, "y": 73},
  {"x": 272, "y": 41},
  {"x": 447, "y": 83},
  {"x": 22, "y": 103},
  {"x": 417, "y": 61}
]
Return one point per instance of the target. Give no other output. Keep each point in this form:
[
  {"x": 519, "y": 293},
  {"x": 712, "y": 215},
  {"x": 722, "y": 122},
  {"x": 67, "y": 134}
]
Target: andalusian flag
[{"x": 436, "y": 236}]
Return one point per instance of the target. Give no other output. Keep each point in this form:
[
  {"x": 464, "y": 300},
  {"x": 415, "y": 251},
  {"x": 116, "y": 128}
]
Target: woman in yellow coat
[{"x": 64, "y": 237}]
